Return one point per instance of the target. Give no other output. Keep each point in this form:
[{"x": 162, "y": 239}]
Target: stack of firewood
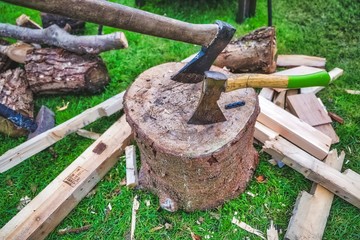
[{"x": 49, "y": 61}]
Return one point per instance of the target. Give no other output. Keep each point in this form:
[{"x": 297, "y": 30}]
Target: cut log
[
  {"x": 29, "y": 148},
  {"x": 55, "y": 36},
  {"x": 5, "y": 61},
  {"x": 254, "y": 53},
  {"x": 312, "y": 210},
  {"x": 48, "y": 19},
  {"x": 56, "y": 71},
  {"x": 37, "y": 219},
  {"x": 289, "y": 61},
  {"x": 189, "y": 166},
  {"x": 292, "y": 128},
  {"x": 16, "y": 95}
]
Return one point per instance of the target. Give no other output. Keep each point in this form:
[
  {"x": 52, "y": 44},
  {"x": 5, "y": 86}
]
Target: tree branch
[{"x": 55, "y": 36}]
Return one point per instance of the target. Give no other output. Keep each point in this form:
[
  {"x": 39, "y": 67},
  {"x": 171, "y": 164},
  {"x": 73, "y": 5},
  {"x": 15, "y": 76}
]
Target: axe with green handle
[{"x": 208, "y": 112}]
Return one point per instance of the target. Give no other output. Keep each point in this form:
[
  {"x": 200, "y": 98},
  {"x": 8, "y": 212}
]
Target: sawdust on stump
[{"x": 190, "y": 167}]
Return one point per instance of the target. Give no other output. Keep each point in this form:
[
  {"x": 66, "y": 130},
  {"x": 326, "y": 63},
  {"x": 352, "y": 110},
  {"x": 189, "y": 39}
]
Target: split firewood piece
[
  {"x": 25, "y": 21},
  {"x": 56, "y": 36},
  {"x": 336, "y": 117},
  {"x": 247, "y": 228},
  {"x": 271, "y": 232},
  {"x": 31, "y": 147},
  {"x": 135, "y": 208},
  {"x": 66, "y": 72},
  {"x": 312, "y": 209},
  {"x": 300, "y": 60},
  {"x": 343, "y": 185},
  {"x": 292, "y": 128},
  {"x": 88, "y": 134},
  {"x": 255, "y": 52},
  {"x": 74, "y": 230},
  {"x": 16, "y": 95},
  {"x": 5, "y": 61},
  {"x": 267, "y": 93},
  {"x": 38, "y": 218},
  {"x": 17, "y": 51},
  {"x": 48, "y": 19},
  {"x": 354, "y": 92},
  {"x": 131, "y": 169}
]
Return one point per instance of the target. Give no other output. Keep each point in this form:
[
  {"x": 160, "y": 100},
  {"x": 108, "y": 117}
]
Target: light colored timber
[
  {"x": 131, "y": 169},
  {"x": 300, "y": 60},
  {"x": 292, "y": 128},
  {"x": 267, "y": 93},
  {"x": 271, "y": 232},
  {"x": 340, "y": 184},
  {"x": 255, "y": 81},
  {"x": 37, "y": 219},
  {"x": 31, "y": 147},
  {"x": 25, "y": 21},
  {"x": 312, "y": 209}
]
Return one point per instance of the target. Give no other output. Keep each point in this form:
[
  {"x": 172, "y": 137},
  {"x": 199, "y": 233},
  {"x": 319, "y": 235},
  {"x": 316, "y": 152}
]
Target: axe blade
[
  {"x": 208, "y": 111},
  {"x": 193, "y": 71}
]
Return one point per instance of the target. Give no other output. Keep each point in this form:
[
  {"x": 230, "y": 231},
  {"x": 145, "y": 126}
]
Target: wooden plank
[
  {"x": 340, "y": 184},
  {"x": 334, "y": 74},
  {"x": 328, "y": 130},
  {"x": 300, "y": 60},
  {"x": 131, "y": 169},
  {"x": 280, "y": 99},
  {"x": 312, "y": 210},
  {"x": 292, "y": 128},
  {"x": 308, "y": 108},
  {"x": 29, "y": 148},
  {"x": 37, "y": 219},
  {"x": 267, "y": 93}
]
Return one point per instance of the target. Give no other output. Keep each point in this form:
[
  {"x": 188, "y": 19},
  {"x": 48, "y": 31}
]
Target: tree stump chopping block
[{"x": 190, "y": 167}]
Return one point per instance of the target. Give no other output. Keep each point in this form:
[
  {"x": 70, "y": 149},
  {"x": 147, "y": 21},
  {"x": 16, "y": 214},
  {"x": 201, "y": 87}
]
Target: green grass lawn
[{"x": 326, "y": 28}]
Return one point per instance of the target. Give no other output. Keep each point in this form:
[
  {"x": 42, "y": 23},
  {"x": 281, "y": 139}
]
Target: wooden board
[
  {"x": 328, "y": 130},
  {"x": 37, "y": 219},
  {"x": 312, "y": 210},
  {"x": 292, "y": 128},
  {"x": 29, "y": 148},
  {"x": 300, "y": 60},
  {"x": 308, "y": 108},
  {"x": 340, "y": 184}
]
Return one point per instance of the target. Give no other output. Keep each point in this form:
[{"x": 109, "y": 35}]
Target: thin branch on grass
[{"x": 56, "y": 36}]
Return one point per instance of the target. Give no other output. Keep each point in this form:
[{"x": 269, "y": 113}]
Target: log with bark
[
  {"x": 57, "y": 71},
  {"x": 190, "y": 167},
  {"x": 48, "y": 19},
  {"x": 255, "y": 52},
  {"x": 5, "y": 61},
  {"x": 16, "y": 95},
  {"x": 56, "y": 36}
]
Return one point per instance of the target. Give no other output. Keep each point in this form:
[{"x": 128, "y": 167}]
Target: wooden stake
[
  {"x": 55, "y": 202},
  {"x": 29, "y": 148},
  {"x": 131, "y": 169},
  {"x": 312, "y": 210},
  {"x": 135, "y": 208}
]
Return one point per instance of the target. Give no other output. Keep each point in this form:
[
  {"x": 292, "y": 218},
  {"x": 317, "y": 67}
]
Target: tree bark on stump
[
  {"x": 48, "y": 19},
  {"x": 190, "y": 167},
  {"x": 5, "y": 61},
  {"x": 56, "y": 71},
  {"x": 15, "y": 94},
  {"x": 255, "y": 52}
]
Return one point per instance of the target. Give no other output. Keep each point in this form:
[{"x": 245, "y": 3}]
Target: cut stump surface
[{"x": 188, "y": 166}]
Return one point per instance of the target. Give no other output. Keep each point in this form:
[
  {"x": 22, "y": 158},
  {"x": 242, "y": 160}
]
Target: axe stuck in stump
[{"x": 212, "y": 37}]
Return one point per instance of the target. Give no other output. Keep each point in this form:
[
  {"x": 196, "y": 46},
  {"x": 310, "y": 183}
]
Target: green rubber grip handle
[{"x": 309, "y": 80}]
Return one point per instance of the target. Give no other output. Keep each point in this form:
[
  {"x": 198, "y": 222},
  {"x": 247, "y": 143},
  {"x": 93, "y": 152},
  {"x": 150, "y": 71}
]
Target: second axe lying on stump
[{"x": 215, "y": 83}]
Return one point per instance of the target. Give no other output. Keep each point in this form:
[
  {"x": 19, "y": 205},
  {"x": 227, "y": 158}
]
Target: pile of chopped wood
[{"x": 48, "y": 61}]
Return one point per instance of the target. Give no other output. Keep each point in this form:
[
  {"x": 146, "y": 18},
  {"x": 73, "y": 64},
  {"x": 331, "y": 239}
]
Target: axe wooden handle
[
  {"x": 123, "y": 17},
  {"x": 276, "y": 81}
]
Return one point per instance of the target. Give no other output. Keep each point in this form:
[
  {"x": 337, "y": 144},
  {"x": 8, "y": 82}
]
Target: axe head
[
  {"x": 208, "y": 111},
  {"x": 193, "y": 71}
]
